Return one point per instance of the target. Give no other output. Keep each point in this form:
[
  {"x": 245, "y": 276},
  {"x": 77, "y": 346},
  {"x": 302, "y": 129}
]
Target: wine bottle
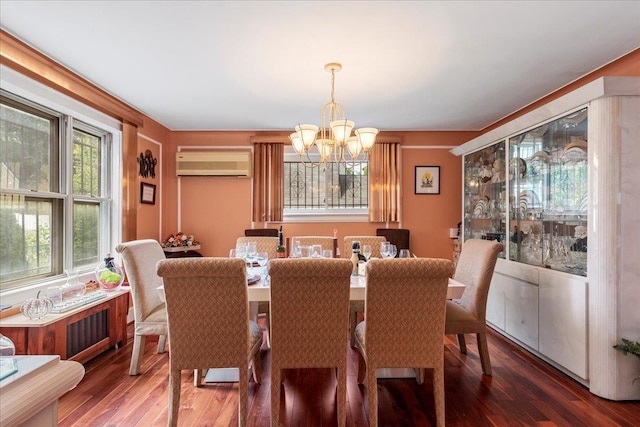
[{"x": 280, "y": 249}]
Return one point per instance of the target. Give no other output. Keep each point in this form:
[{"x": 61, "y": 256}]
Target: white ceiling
[{"x": 259, "y": 65}]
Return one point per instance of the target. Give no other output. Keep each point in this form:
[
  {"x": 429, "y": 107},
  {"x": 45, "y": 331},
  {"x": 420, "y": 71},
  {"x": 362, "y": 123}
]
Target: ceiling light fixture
[{"x": 335, "y": 139}]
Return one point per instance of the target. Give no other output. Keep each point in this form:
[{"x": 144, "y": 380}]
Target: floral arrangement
[{"x": 179, "y": 239}]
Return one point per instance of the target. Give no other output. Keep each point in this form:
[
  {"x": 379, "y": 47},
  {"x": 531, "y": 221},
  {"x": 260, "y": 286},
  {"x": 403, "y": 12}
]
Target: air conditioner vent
[{"x": 214, "y": 163}]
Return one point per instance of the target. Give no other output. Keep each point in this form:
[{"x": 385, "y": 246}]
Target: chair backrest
[
  {"x": 140, "y": 258},
  {"x": 268, "y": 232},
  {"x": 405, "y": 311},
  {"x": 207, "y": 311},
  {"x": 263, "y": 243},
  {"x": 475, "y": 270},
  {"x": 309, "y": 311},
  {"x": 374, "y": 241},
  {"x": 396, "y": 236},
  {"x": 327, "y": 242}
]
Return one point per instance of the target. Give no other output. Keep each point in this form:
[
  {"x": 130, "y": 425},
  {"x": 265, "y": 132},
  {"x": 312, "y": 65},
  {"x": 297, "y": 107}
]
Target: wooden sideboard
[{"x": 79, "y": 334}]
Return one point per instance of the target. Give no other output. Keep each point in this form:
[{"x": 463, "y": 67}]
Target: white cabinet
[
  {"x": 563, "y": 320},
  {"x": 566, "y": 180}
]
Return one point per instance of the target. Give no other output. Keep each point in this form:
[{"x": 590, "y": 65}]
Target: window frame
[
  {"x": 23, "y": 92},
  {"x": 326, "y": 214}
]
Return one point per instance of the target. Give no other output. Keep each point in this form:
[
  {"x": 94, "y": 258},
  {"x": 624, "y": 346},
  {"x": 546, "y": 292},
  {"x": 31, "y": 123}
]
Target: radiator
[{"x": 86, "y": 332}]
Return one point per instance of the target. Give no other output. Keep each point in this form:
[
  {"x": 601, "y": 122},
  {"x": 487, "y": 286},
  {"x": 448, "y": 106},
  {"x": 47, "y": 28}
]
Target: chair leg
[
  {"x": 136, "y": 355},
  {"x": 198, "y": 375},
  {"x": 462, "y": 344},
  {"x": 243, "y": 399},
  {"x": 341, "y": 395},
  {"x": 483, "y": 349},
  {"x": 256, "y": 367},
  {"x": 362, "y": 367},
  {"x": 174, "y": 396},
  {"x": 420, "y": 375},
  {"x": 353, "y": 321},
  {"x": 438, "y": 393},
  {"x": 372, "y": 391},
  {"x": 162, "y": 343},
  {"x": 276, "y": 384}
]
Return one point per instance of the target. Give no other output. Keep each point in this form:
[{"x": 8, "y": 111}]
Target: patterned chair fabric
[
  {"x": 209, "y": 326},
  {"x": 264, "y": 244},
  {"x": 467, "y": 314},
  {"x": 149, "y": 312},
  {"x": 374, "y": 241},
  {"x": 309, "y": 321},
  {"x": 404, "y": 326},
  {"x": 356, "y": 307},
  {"x": 327, "y": 242}
]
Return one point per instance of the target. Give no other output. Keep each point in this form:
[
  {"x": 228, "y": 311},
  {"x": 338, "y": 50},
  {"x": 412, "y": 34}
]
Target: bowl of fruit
[{"x": 108, "y": 275}]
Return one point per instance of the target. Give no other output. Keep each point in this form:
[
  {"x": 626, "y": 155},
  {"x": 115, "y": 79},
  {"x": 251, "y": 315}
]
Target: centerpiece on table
[{"x": 180, "y": 242}]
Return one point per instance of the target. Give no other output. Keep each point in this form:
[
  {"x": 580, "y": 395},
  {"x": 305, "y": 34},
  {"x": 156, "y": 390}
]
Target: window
[
  {"x": 55, "y": 192},
  {"x": 336, "y": 188}
]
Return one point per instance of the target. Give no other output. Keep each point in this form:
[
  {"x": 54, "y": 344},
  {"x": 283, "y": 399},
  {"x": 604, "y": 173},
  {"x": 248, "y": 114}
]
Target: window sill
[{"x": 360, "y": 215}]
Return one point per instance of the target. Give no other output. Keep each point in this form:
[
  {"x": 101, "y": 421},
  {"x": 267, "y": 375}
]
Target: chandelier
[{"x": 332, "y": 139}]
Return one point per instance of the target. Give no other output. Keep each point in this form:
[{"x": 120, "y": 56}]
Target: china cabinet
[{"x": 558, "y": 187}]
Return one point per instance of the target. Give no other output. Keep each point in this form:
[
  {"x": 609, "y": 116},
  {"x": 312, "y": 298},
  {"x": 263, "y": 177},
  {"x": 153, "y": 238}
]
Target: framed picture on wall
[
  {"x": 427, "y": 180},
  {"x": 147, "y": 193}
]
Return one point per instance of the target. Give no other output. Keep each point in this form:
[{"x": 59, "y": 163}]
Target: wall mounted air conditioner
[{"x": 214, "y": 163}]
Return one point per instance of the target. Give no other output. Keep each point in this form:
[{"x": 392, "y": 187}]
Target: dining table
[{"x": 258, "y": 291}]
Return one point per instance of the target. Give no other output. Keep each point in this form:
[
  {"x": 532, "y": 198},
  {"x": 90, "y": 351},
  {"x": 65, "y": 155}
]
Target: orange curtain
[
  {"x": 384, "y": 182},
  {"x": 268, "y": 186}
]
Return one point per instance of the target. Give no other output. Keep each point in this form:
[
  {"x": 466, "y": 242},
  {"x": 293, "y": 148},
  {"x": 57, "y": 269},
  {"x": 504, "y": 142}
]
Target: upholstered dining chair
[
  {"x": 209, "y": 326},
  {"x": 404, "y": 323},
  {"x": 149, "y": 312},
  {"x": 263, "y": 243},
  {"x": 327, "y": 242},
  {"x": 309, "y": 321},
  {"x": 467, "y": 315},
  {"x": 356, "y": 307}
]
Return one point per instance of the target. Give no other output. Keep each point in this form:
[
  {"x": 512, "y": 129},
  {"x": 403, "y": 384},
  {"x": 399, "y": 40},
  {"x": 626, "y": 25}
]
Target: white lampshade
[
  {"x": 307, "y": 134},
  {"x": 341, "y": 130},
  {"x": 296, "y": 143},
  {"x": 354, "y": 147},
  {"x": 367, "y": 137},
  {"x": 324, "y": 148}
]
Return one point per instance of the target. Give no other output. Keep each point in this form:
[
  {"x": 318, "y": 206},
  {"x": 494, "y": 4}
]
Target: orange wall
[{"x": 217, "y": 210}]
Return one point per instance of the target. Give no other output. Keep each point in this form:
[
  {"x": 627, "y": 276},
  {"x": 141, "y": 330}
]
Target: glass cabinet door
[
  {"x": 485, "y": 194},
  {"x": 548, "y": 195}
]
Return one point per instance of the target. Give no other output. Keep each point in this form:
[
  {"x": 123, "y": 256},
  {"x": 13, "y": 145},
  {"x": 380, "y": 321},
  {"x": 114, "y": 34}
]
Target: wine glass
[
  {"x": 393, "y": 251},
  {"x": 261, "y": 259},
  {"x": 252, "y": 251},
  {"x": 366, "y": 251},
  {"x": 384, "y": 249}
]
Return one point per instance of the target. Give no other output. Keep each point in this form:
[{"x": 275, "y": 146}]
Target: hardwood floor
[{"x": 523, "y": 391}]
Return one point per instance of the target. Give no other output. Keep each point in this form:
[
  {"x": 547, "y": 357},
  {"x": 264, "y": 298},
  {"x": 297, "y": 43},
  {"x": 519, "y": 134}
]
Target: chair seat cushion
[
  {"x": 256, "y": 333},
  {"x": 461, "y": 320},
  {"x": 155, "y": 323}
]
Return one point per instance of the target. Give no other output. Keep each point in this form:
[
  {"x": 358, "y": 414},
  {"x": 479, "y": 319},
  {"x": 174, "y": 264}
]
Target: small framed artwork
[
  {"x": 147, "y": 193},
  {"x": 427, "y": 180}
]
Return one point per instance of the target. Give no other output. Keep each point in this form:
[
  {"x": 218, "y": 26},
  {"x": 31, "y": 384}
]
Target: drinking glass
[
  {"x": 393, "y": 251},
  {"x": 366, "y": 251},
  {"x": 252, "y": 250},
  {"x": 262, "y": 258},
  {"x": 384, "y": 249},
  {"x": 327, "y": 253},
  {"x": 404, "y": 253},
  {"x": 316, "y": 251},
  {"x": 241, "y": 250}
]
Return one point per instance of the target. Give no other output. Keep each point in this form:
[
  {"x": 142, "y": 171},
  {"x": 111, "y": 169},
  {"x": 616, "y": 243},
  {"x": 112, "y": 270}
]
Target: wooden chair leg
[
  {"x": 462, "y": 344},
  {"x": 162, "y": 343},
  {"x": 438, "y": 394},
  {"x": 243, "y": 398},
  {"x": 362, "y": 367},
  {"x": 136, "y": 355},
  {"x": 256, "y": 367},
  {"x": 174, "y": 396},
  {"x": 483, "y": 349},
  {"x": 372, "y": 391},
  {"x": 276, "y": 384},
  {"x": 341, "y": 395},
  {"x": 198, "y": 375}
]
